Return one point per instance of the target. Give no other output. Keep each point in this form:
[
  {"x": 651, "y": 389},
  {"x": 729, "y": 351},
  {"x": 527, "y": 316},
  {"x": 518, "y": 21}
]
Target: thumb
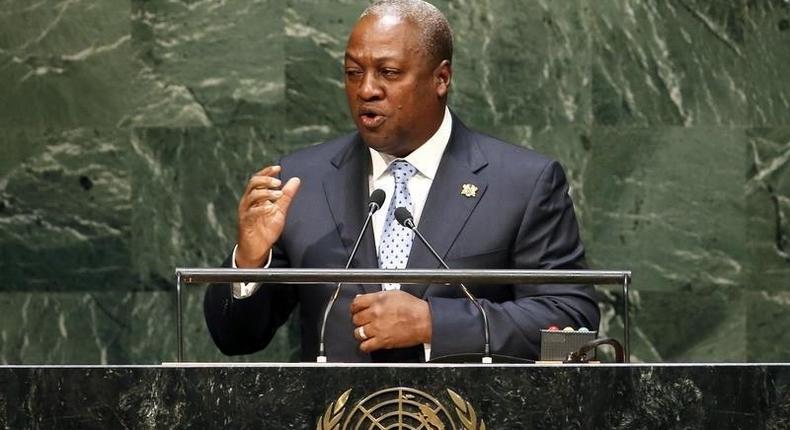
[{"x": 289, "y": 191}]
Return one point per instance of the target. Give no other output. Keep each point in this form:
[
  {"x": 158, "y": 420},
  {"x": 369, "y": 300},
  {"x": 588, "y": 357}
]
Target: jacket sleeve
[
  {"x": 548, "y": 238},
  {"x": 244, "y": 326}
]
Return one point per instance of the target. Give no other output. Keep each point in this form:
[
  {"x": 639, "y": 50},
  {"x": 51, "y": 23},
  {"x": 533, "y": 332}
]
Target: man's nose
[{"x": 370, "y": 88}]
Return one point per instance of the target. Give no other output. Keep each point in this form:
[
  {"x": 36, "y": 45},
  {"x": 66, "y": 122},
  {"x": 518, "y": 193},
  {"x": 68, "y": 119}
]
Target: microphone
[
  {"x": 374, "y": 204},
  {"x": 404, "y": 218}
]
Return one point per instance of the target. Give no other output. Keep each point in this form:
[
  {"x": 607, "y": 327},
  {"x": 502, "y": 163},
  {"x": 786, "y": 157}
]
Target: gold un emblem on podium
[{"x": 400, "y": 408}]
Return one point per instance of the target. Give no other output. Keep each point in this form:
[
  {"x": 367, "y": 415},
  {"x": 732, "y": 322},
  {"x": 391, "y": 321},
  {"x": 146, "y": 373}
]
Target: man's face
[{"x": 395, "y": 94}]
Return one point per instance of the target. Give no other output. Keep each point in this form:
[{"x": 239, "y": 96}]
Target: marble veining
[
  {"x": 129, "y": 128},
  {"x": 534, "y": 397}
]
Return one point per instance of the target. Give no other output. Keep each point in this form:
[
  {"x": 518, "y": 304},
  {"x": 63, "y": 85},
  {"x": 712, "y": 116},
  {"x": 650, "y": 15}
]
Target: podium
[{"x": 305, "y": 396}]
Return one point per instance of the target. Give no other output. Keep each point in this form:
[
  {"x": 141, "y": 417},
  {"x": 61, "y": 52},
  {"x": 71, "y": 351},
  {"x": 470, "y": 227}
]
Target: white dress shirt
[{"x": 425, "y": 159}]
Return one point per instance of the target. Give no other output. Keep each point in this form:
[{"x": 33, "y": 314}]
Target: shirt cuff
[
  {"x": 241, "y": 290},
  {"x": 427, "y": 347}
]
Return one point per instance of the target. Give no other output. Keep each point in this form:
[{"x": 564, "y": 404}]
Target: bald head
[{"x": 436, "y": 37}]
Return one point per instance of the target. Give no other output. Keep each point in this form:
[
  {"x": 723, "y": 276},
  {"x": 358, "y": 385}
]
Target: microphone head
[
  {"x": 377, "y": 199},
  {"x": 404, "y": 217}
]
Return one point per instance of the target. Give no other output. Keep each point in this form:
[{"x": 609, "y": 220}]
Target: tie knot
[{"x": 402, "y": 170}]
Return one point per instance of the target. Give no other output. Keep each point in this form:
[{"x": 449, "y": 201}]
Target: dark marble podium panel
[{"x": 294, "y": 396}]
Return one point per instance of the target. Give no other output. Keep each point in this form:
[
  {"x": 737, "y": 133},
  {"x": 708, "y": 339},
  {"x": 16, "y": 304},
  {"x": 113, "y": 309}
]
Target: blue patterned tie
[{"x": 396, "y": 239}]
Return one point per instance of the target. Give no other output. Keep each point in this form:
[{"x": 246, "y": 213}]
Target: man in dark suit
[{"x": 481, "y": 202}]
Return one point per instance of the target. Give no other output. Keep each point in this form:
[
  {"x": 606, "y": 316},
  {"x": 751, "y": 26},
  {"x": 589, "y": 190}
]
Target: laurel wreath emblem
[
  {"x": 333, "y": 414},
  {"x": 467, "y": 416},
  {"x": 466, "y": 413}
]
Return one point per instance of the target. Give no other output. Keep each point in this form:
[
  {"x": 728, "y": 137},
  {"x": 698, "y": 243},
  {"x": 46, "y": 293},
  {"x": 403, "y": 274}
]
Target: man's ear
[{"x": 443, "y": 74}]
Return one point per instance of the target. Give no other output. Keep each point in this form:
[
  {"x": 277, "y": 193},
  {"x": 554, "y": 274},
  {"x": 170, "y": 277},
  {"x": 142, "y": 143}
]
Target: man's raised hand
[{"x": 261, "y": 216}]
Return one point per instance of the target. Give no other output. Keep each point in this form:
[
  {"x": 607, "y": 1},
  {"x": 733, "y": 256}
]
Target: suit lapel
[
  {"x": 446, "y": 209},
  {"x": 346, "y": 191}
]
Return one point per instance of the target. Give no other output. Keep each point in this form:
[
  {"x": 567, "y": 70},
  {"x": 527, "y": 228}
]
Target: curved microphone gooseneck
[
  {"x": 374, "y": 204},
  {"x": 405, "y": 219}
]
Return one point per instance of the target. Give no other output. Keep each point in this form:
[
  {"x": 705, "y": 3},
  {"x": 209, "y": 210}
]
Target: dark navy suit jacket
[{"x": 521, "y": 217}]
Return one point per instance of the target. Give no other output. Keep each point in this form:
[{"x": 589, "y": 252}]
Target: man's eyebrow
[{"x": 380, "y": 59}]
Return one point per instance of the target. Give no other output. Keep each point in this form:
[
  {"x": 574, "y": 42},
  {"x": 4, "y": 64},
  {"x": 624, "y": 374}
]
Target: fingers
[
  {"x": 291, "y": 187},
  {"x": 269, "y": 171},
  {"x": 363, "y": 317},
  {"x": 361, "y": 333},
  {"x": 366, "y": 316},
  {"x": 370, "y": 345},
  {"x": 263, "y": 187},
  {"x": 261, "y": 219},
  {"x": 262, "y": 182},
  {"x": 261, "y": 177},
  {"x": 367, "y": 343},
  {"x": 258, "y": 197},
  {"x": 364, "y": 301},
  {"x": 288, "y": 192},
  {"x": 265, "y": 208},
  {"x": 390, "y": 319}
]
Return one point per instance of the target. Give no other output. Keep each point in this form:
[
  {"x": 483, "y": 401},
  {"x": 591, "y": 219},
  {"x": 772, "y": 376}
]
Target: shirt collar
[{"x": 426, "y": 158}]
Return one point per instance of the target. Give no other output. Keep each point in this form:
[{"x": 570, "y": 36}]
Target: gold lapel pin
[{"x": 469, "y": 190}]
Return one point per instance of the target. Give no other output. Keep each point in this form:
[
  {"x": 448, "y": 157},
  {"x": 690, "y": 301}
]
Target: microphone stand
[
  {"x": 408, "y": 222},
  {"x": 373, "y": 206}
]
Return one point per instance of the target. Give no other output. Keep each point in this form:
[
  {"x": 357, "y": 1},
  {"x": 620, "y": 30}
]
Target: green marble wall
[{"x": 128, "y": 129}]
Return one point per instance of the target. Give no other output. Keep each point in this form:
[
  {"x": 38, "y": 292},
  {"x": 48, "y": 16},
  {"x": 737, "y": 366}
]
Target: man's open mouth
[{"x": 371, "y": 119}]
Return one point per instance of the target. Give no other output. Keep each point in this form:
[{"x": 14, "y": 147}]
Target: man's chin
[
  {"x": 385, "y": 144},
  {"x": 375, "y": 141}
]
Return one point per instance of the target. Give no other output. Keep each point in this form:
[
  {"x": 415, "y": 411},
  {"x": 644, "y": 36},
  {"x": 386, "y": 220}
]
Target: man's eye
[
  {"x": 353, "y": 73},
  {"x": 390, "y": 73}
]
